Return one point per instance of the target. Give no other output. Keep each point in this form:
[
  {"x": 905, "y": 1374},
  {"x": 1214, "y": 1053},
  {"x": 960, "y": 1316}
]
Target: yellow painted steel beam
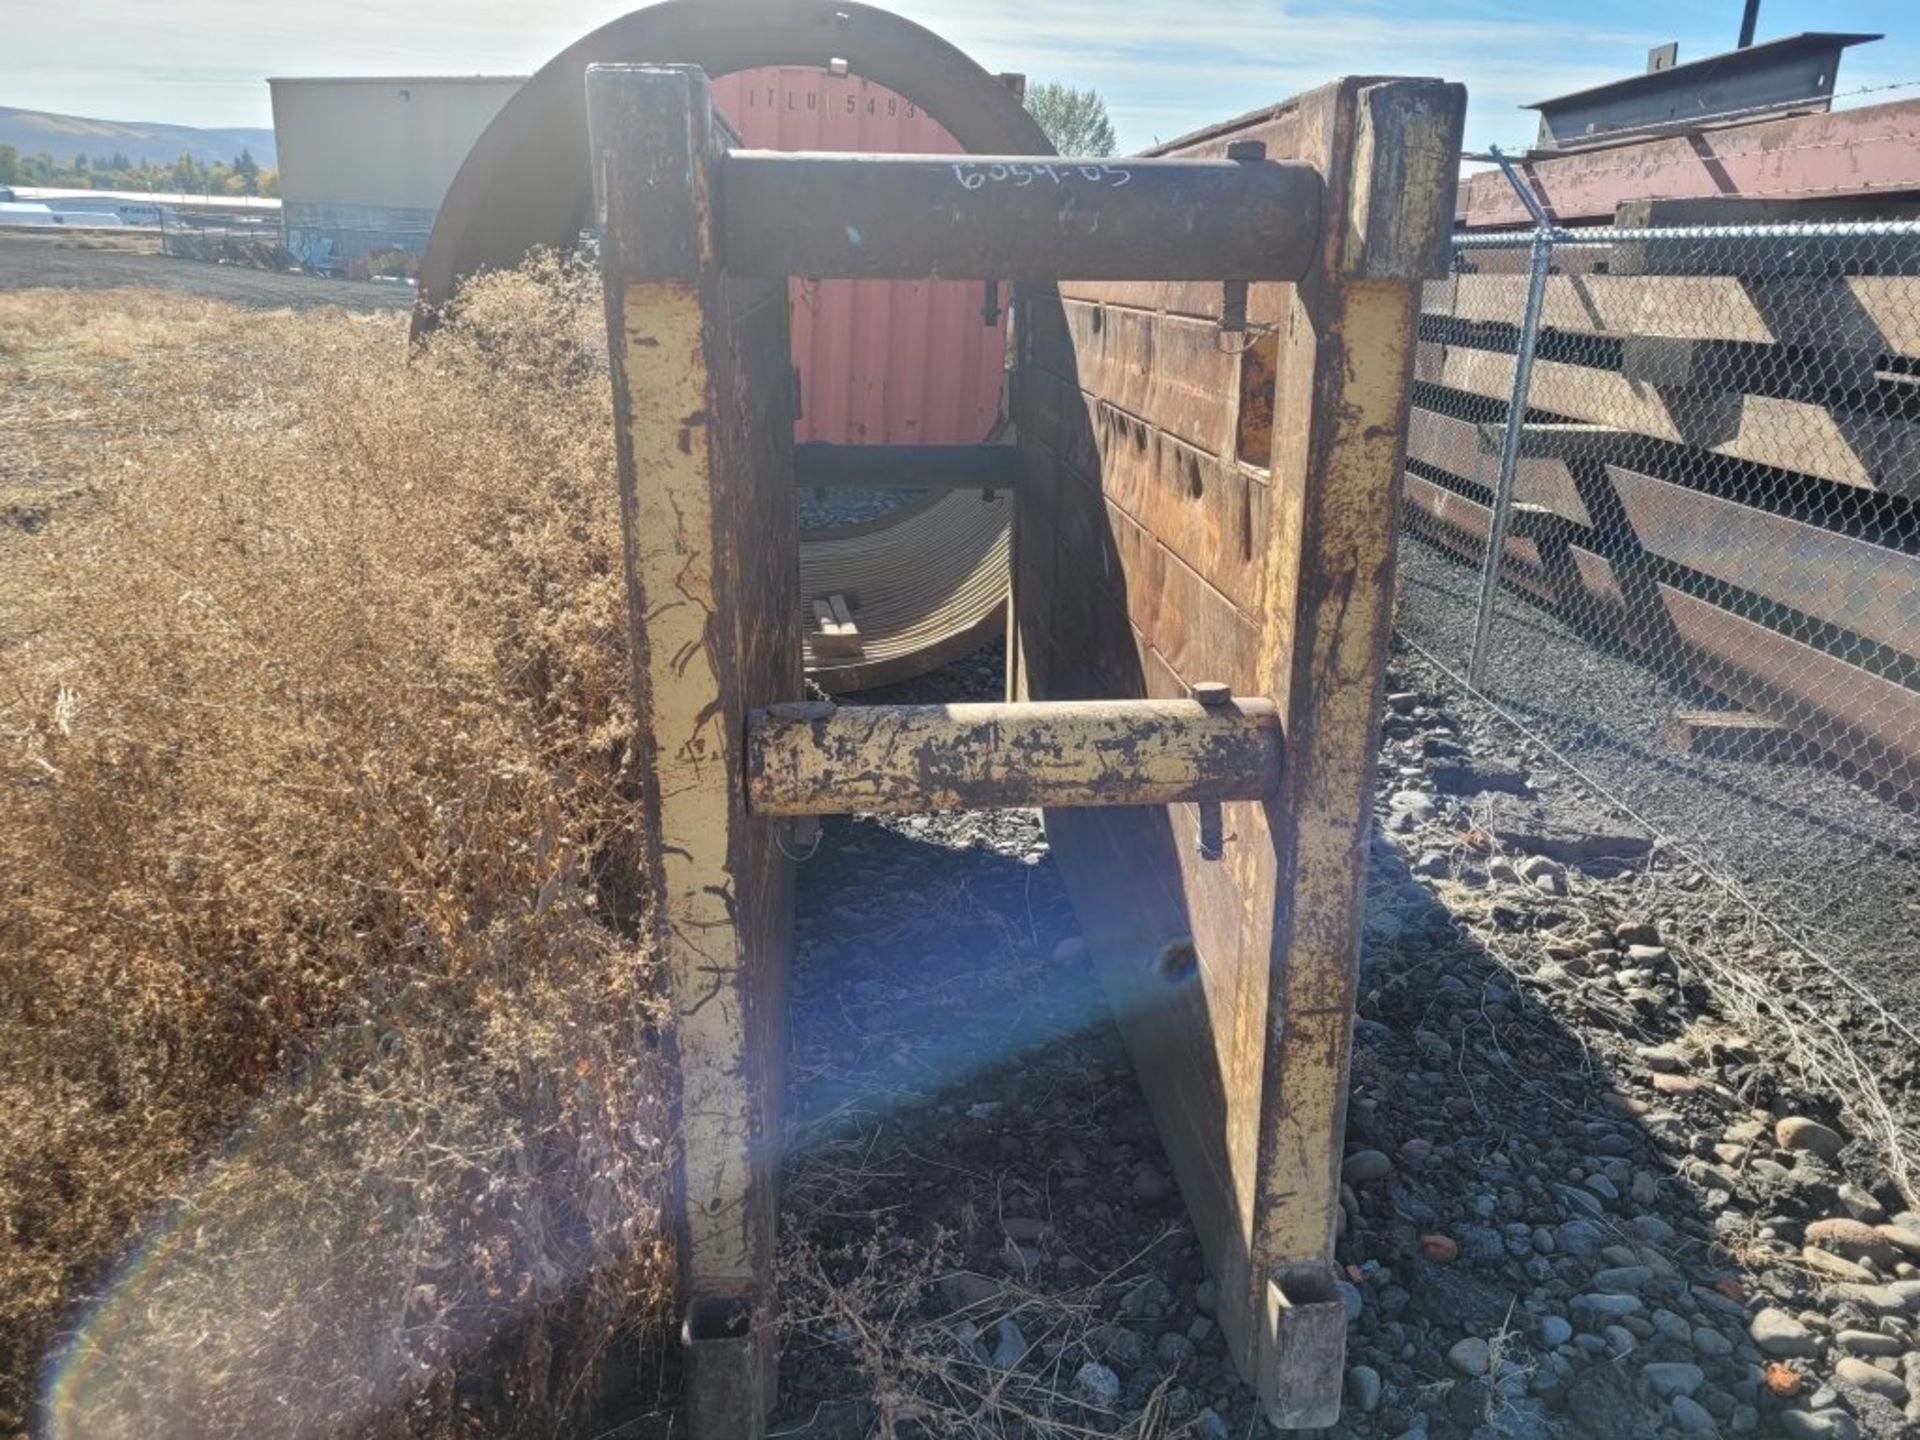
[{"x": 817, "y": 758}]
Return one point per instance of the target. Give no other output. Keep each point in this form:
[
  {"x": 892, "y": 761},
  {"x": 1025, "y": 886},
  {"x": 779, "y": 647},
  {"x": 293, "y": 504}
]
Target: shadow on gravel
[
  {"x": 1528, "y": 1262},
  {"x": 981, "y": 1235}
]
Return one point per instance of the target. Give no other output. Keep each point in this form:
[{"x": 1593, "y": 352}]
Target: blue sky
[{"x": 1165, "y": 66}]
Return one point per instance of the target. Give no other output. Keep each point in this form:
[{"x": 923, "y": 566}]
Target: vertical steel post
[
  {"x": 1540, "y": 255},
  {"x": 699, "y": 371}
]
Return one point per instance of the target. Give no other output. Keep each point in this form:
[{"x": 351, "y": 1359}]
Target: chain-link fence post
[{"x": 1539, "y": 260}]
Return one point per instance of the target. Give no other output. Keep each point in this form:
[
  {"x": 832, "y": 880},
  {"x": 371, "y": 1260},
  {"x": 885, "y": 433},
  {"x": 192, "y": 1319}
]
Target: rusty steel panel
[
  {"x": 1872, "y": 314},
  {"x": 1872, "y": 151},
  {"x": 1849, "y": 712},
  {"x": 1016, "y": 218},
  {"x": 1865, "y": 588},
  {"x": 1463, "y": 449},
  {"x": 1850, "y": 447},
  {"x": 818, "y": 758},
  {"x": 1225, "y": 506},
  {"x": 894, "y": 362}
]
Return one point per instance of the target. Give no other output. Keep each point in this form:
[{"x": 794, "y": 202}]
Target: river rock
[
  {"x": 1870, "y": 1342},
  {"x": 1623, "y": 1279},
  {"x": 1861, "y": 1205},
  {"x": 1778, "y": 1334},
  {"x": 1854, "y": 1239},
  {"x": 1819, "y": 1425},
  {"x": 1096, "y": 1384},
  {"x": 1708, "y": 1341},
  {"x": 1692, "y": 1417},
  {"x": 1471, "y": 1356},
  {"x": 1363, "y": 1167},
  {"x": 1834, "y": 1267},
  {"x": 1669, "y": 1378},
  {"x": 1871, "y": 1378},
  {"x": 1797, "y": 1132},
  {"x": 1904, "y": 1238},
  {"x": 1605, "y": 1307},
  {"x": 1363, "y": 1388}
]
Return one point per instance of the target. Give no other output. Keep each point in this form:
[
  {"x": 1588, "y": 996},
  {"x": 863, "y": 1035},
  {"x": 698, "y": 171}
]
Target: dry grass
[{"x": 325, "y": 1091}]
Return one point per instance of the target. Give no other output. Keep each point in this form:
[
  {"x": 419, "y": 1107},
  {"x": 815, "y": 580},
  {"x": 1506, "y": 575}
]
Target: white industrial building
[{"x": 365, "y": 162}]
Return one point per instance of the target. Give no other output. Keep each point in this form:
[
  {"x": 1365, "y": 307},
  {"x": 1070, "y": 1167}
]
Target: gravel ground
[
  {"x": 33, "y": 262},
  {"x": 1839, "y": 867},
  {"x": 822, "y": 509},
  {"x": 1583, "y": 1197}
]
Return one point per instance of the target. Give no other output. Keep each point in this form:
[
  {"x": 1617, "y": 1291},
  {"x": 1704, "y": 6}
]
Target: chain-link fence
[
  {"x": 1708, "y": 523},
  {"x": 252, "y": 240}
]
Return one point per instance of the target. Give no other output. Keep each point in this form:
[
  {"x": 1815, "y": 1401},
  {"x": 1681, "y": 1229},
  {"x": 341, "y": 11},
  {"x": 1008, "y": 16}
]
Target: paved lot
[{"x": 30, "y": 262}]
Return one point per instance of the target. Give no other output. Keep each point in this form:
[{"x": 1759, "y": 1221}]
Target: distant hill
[{"x": 33, "y": 132}]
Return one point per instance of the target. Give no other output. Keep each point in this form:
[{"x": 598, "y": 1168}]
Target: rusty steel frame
[
  {"x": 724, "y": 750},
  {"x": 906, "y": 217},
  {"x": 1190, "y": 516},
  {"x": 818, "y": 758}
]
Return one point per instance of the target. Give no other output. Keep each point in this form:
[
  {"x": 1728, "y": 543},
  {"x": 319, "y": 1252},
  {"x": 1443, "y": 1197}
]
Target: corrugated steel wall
[{"x": 881, "y": 361}]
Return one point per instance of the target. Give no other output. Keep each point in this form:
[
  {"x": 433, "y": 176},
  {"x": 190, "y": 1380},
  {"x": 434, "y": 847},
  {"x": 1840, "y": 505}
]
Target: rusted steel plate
[
  {"x": 1865, "y": 719},
  {"x": 1860, "y": 718},
  {"x": 1451, "y": 518},
  {"x": 1849, "y": 447},
  {"x": 1874, "y": 150},
  {"x": 1460, "y": 448},
  {"x": 817, "y": 758},
  {"x": 1871, "y": 314},
  {"x": 1172, "y": 372},
  {"x": 1204, "y": 510},
  {"x": 1128, "y": 583},
  {"x": 1016, "y": 218},
  {"x": 1868, "y": 589}
]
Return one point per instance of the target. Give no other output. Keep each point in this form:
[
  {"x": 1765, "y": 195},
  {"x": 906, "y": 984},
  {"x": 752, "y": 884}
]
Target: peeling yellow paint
[{"x": 672, "y": 547}]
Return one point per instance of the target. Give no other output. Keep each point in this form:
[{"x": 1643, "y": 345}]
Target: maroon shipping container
[{"x": 881, "y": 361}]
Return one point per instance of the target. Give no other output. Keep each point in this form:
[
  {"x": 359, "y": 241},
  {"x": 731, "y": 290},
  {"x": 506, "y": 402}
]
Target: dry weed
[{"x": 325, "y": 1091}]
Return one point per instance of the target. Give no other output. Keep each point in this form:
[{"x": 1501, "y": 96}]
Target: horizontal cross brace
[
  {"x": 960, "y": 217},
  {"x": 817, "y": 758},
  {"x": 818, "y": 465}
]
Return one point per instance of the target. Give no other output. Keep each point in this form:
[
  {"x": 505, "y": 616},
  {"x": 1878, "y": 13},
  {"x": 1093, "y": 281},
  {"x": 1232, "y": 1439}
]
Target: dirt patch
[{"x": 36, "y": 263}]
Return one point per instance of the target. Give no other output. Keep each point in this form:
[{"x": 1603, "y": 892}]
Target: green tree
[
  {"x": 9, "y": 165},
  {"x": 187, "y": 174},
  {"x": 1075, "y": 120},
  {"x": 248, "y": 169}
]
